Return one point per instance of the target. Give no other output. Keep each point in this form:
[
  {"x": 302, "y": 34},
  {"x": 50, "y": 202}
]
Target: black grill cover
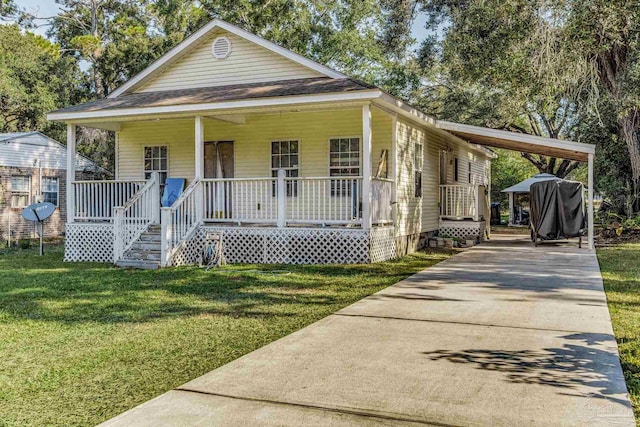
[{"x": 557, "y": 211}]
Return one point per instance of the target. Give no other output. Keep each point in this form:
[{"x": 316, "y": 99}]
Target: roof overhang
[
  {"x": 519, "y": 141},
  {"x": 203, "y": 109}
]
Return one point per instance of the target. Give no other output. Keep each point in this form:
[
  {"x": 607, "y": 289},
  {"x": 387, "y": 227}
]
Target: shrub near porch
[{"x": 84, "y": 342}]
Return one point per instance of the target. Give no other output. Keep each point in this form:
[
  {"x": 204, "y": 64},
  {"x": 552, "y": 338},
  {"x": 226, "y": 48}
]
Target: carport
[{"x": 535, "y": 145}]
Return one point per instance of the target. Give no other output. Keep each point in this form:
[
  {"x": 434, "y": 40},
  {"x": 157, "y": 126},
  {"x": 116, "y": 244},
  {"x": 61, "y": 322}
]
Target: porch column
[
  {"x": 590, "y": 201},
  {"x": 366, "y": 167},
  {"x": 71, "y": 171},
  {"x": 199, "y": 172},
  {"x": 199, "y": 166},
  {"x": 394, "y": 170}
]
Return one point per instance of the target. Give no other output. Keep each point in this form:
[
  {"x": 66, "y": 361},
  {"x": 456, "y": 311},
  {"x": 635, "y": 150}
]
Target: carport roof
[{"x": 519, "y": 141}]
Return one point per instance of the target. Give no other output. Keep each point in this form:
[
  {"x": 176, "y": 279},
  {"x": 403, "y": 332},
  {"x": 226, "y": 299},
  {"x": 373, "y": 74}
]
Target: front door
[
  {"x": 218, "y": 163},
  {"x": 223, "y": 168}
]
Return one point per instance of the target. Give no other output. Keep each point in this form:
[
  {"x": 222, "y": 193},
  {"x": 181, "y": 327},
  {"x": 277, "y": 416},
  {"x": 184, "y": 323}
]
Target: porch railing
[
  {"x": 460, "y": 201},
  {"x": 323, "y": 200},
  {"x": 95, "y": 200},
  {"x": 133, "y": 219},
  {"x": 180, "y": 221},
  {"x": 240, "y": 200}
]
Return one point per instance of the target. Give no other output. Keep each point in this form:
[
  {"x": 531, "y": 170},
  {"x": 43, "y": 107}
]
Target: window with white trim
[
  {"x": 50, "y": 189},
  {"x": 156, "y": 160},
  {"x": 417, "y": 169},
  {"x": 344, "y": 160},
  {"x": 20, "y": 191},
  {"x": 285, "y": 155}
]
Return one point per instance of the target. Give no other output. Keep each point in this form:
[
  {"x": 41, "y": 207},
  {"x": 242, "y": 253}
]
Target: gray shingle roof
[{"x": 313, "y": 86}]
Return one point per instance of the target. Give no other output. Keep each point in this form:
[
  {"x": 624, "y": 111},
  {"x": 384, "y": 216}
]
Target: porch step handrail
[
  {"x": 460, "y": 201},
  {"x": 180, "y": 221},
  {"x": 95, "y": 200},
  {"x": 135, "y": 217}
]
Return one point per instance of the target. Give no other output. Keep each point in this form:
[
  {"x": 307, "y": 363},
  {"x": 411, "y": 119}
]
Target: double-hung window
[
  {"x": 344, "y": 160},
  {"x": 417, "y": 169},
  {"x": 49, "y": 189},
  {"x": 20, "y": 191},
  {"x": 285, "y": 155},
  {"x": 155, "y": 160}
]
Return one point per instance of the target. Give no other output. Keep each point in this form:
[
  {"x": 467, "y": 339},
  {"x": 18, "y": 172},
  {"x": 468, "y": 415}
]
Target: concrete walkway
[{"x": 503, "y": 334}]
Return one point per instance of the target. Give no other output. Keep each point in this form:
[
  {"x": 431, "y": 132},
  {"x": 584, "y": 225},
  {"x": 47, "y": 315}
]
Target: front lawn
[
  {"x": 620, "y": 267},
  {"x": 80, "y": 343}
]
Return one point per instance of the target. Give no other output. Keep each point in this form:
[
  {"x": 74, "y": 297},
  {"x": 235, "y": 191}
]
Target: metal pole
[{"x": 41, "y": 237}]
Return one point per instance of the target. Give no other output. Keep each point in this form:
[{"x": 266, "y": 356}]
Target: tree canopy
[
  {"x": 34, "y": 79},
  {"x": 554, "y": 68}
]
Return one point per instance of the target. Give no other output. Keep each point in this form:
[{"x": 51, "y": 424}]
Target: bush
[{"x": 24, "y": 243}]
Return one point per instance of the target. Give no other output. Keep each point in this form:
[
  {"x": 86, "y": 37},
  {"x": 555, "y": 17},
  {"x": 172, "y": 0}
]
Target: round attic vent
[{"x": 221, "y": 47}]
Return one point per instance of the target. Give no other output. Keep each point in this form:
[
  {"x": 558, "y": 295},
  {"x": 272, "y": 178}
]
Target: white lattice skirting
[
  {"x": 383, "y": 244},
  {"x": 89, "y": 242},
  {"x": 256, "y": 245},
  {"x": 462, "y": 229},
  {"x": 252, "y": 245},
  {"x": 260, "y": 245}
]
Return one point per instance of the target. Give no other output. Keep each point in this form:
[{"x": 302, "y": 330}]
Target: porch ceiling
[{"x": 519, "y": 142}]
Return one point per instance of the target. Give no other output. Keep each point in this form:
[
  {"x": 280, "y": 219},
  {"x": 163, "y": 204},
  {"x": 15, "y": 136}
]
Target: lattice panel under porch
[
  {"x": 383, "y": 244},
  {"x": 257, "y": 245},
  {"x": 89, "y": 242},
  {"x": 190, "y": 252},
  {"x": 462, "y": 229}
]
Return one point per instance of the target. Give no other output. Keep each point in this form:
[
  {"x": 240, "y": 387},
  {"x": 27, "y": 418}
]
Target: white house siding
[
  {"x": 480, "y": 170},
  {"x": 409, "y": 207},
  {"x": 247, "y": 63},
  {"x": 252, "y": 141},
  {"x": 23, "y": 151},
  {"x": 419, "y": 215}
]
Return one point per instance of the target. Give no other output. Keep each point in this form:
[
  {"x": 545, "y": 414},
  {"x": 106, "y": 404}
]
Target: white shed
[{"x": 518, "y": 215}]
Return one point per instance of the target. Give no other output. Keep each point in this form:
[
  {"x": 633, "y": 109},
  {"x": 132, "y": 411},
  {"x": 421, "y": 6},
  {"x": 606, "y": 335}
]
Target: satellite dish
[{"x": 39, "y": 212}]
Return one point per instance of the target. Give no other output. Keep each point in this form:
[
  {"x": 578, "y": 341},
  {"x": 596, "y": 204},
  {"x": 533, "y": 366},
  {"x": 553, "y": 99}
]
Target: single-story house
[
  {"x": 33, "y": 169},
  {"x": 288, "y": 160}
]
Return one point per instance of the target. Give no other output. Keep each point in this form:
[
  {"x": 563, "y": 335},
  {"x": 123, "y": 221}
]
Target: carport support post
[
  {"x": 71, "y": 171},
  {"x": 590, "y": 201}
]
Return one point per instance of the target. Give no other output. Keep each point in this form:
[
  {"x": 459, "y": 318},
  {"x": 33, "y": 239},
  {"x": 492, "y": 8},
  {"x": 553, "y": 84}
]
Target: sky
[{"x": 50, "y": 8}]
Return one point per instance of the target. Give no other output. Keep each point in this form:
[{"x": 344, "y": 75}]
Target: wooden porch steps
[{"x": 144, "y": 254}]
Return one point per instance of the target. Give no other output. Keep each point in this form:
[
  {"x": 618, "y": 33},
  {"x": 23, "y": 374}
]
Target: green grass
[
  {"x": 620, "y": 267},
  {"x": 82, "y": 342}
]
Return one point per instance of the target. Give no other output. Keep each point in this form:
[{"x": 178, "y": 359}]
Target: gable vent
[{"x": 221, "y": 47}]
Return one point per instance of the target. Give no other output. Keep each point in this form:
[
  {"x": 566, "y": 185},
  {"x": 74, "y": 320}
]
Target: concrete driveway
[{"x": 503, "y": 334}]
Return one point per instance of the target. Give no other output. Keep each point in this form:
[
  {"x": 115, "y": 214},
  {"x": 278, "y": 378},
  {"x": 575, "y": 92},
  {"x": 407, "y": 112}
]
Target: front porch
[
  {"x": 259, "y": 192},
  {"x": 262, "y": 220}
]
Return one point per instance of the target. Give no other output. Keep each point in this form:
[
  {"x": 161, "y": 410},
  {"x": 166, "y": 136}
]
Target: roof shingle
[{"x": 313, "y": 86}]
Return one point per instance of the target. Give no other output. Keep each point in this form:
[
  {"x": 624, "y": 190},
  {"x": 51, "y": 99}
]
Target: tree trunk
[{"x": 629, "y": 125}]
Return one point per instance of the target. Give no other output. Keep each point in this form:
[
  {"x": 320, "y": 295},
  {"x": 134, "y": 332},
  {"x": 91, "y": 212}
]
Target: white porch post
[
  {"x": 590, "y": 201},
  {"x": 281, "y": 192},
  {"x": 71, "y": 171},
  {"x": 366, "y": 167},
  {"x": 199, "y": 172},
  {"x": 199, "y": 166},
  {"x": 394, "y": 170}
]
